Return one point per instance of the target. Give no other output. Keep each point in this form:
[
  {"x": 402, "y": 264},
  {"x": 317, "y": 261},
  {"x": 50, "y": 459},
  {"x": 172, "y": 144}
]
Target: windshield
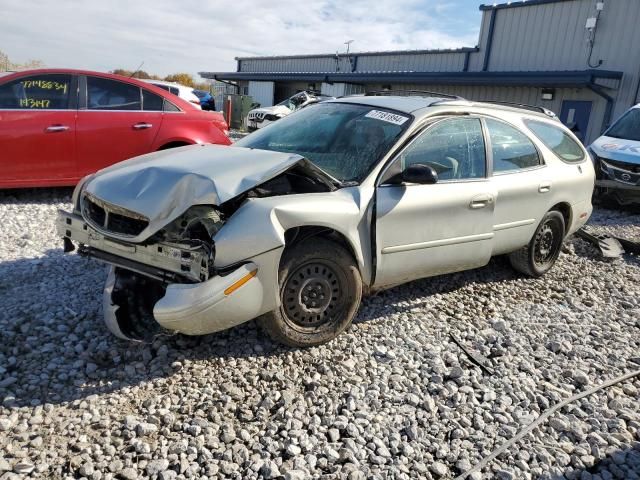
[
  {"x": 293, "y": 103},
  {"x": 343, "y": 139},
  {"x": 627, "y": 127}
]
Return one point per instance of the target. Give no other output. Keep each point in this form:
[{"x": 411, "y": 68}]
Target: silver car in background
[{"x": 296, "y": 222}]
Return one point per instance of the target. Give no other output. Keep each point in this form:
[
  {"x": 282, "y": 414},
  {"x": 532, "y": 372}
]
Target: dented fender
[{"x": 259, "y": 224}]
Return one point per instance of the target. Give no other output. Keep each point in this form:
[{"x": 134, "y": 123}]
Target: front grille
[
  {"x": 95, "y": 213},
  {"x": 125, "y": 225},
  {"x": 620, "y": 171},
  {"x": 111, "y": 218},
  {"x": 629, "y": 167}
]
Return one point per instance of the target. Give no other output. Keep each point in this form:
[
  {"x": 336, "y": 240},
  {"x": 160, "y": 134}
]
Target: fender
[{"x": 259, "y": 224}]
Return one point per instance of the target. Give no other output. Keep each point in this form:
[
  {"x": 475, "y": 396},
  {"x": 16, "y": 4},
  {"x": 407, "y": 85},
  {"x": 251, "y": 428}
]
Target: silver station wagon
[{"x": 296, "y": 222}]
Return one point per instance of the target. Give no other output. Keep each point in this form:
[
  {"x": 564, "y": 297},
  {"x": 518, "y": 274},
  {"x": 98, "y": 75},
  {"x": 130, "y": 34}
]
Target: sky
[{"x": 206, "y": 35}]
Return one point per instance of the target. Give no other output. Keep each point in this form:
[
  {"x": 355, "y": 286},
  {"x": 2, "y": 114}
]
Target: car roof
[
  {"x": 406, "y": 104},
  {"x": 424, "y": 105}
]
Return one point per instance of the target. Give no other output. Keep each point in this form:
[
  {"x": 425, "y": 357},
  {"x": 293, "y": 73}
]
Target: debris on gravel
[{"x": 393, "y": 397}]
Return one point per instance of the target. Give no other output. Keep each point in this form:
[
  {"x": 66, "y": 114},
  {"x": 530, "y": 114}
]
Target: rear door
[
  {"x": 37, "y": 131},
  {"x": 116, "y": 121},
  {"x": 523, "y": 183}
]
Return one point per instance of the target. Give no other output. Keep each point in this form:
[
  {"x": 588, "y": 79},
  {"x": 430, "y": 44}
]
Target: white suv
[
  {"x": 261, "y": 117},
  {"x": 182, "y": 91}
]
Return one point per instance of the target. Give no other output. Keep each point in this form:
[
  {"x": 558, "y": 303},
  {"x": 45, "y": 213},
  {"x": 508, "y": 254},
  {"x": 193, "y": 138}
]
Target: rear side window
[
  {"x": 151, "y": 101},
  {"x": 106, "y": 94},
  {"x": 37, "y": 92},
  {"x": 170, "y": 107},
  {"x": 556, "y": 140},
  {"x": 512, "y": 150}
]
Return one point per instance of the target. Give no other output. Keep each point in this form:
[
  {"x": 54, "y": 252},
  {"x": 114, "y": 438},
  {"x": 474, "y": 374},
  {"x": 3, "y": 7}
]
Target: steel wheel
[
  {"x": 313, "y": 295},
  {"x": 542, "y": 252},
  {"x": 320, "y": 291}
]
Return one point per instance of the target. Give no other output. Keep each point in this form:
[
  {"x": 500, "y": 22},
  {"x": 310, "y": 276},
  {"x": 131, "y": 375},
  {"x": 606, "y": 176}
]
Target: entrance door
[{"x": 575, "y": 115}]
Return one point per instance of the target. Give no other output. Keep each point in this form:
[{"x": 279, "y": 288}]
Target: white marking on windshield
[{"x": 387, "y": 117}]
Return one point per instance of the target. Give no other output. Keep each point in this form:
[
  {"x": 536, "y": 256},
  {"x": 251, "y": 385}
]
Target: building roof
[
  {"x": 520, "y": 3},
  {"x": 535, "y": 78},
  {"x": 434, "y": 51}
]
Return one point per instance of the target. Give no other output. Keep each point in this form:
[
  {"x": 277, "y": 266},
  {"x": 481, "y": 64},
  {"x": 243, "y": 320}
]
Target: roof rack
[
  {"x": 411, "y": 93},
  {"x": 533, "y": 108}
]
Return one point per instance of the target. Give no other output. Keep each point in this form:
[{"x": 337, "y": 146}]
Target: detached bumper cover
[
  {"x": 209, "y": 307},
  {"x": 218, "y": 303}
]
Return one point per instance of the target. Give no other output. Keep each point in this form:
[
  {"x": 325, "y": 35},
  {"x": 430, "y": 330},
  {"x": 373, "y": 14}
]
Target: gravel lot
[{"x": 392, "y": 398}]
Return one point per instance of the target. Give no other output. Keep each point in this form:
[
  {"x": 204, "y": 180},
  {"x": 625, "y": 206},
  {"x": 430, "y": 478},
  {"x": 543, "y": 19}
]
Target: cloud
[{"x": 194, "y": 35}]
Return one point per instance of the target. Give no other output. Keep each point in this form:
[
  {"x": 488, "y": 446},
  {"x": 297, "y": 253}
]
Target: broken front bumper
[
  {"x": 623, "y": 193},
  {"x": 163, "y": 261},
  {"x": 188, "y": 306}
]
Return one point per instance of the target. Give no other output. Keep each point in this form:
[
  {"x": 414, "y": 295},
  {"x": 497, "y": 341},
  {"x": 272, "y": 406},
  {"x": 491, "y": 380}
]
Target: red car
[{"x": 56, "y": 126}]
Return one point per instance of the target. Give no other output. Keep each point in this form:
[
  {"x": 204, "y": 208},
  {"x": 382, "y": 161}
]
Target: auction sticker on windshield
[{"x": 387, "y": 117}]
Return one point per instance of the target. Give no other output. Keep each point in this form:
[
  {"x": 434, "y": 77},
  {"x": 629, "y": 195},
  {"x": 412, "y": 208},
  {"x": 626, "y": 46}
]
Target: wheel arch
[
  {"x": 567, "y": 213},
  {"x": 295, "y": 235},
  {"x": 174, "y": 144}
]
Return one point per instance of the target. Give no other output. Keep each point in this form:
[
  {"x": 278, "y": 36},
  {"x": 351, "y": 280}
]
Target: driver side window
[{"x": 454, "y": 148}]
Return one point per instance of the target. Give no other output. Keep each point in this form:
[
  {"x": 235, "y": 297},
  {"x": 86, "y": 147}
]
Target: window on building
[
  {"x": 512, "y": 150},
  {"x": 557, "y": 140},
  {"x": 106, "y": 94},
  {"x": 37, "y": 92}
]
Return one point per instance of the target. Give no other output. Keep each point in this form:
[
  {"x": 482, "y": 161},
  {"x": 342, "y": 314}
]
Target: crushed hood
[{"x": 163, "y": 185}]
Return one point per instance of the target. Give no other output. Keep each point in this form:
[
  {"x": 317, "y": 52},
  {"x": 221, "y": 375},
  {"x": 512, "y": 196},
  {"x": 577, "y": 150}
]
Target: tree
[
  {"x": 7, "y": 65},
  {"x": 182, "y": 78}
]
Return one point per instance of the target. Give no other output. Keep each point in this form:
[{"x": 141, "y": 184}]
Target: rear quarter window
[{"x": 557, "y": 140}]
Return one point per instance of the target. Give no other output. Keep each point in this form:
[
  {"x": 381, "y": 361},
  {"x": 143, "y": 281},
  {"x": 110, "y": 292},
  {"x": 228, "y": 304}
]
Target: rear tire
[
  {"x": 320, "y": 292},
  {"x": 541, "y": 254}
]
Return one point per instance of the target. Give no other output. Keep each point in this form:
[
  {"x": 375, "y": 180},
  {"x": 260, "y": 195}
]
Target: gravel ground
[{"x": 392, "y": 398}]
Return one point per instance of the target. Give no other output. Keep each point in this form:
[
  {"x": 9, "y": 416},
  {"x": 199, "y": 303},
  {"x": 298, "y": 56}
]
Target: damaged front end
[
  {"x": 164, "y": 277},
  {"x": 181, "y": 253}
]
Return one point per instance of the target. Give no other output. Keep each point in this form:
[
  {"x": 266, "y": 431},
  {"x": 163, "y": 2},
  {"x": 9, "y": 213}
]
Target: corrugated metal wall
[
  {"x": 525, "y": 95},
  {"x": 341, "y": 89},
  {"x": 553, "y": 37},
  {"x": 262, "y": 92}
]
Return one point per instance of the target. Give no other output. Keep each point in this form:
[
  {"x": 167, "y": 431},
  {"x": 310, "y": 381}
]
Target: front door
[
  {"x": 425, "y": 230},
  {"x": 38, "y": 131},
  {"x": 113, "y": 125},
  {"x": 575, "y": 115}
]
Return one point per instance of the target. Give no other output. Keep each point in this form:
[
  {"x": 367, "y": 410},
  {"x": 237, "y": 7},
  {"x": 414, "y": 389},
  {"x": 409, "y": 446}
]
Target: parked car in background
[
  {"x": 56, "y": 126},
  {"x": 616, "y": 157},
  {"x": 295, "y": 222},
  {"x": 182, "y": 91},
  {"x": 207, "y": 102},
  {"x": 263, "y": 116}
]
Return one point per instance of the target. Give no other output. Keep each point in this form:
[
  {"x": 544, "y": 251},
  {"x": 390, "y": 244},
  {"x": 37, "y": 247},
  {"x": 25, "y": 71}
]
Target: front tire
[
  {"x": 320, "y": 292},
  {"x": 541, "y": 254}
]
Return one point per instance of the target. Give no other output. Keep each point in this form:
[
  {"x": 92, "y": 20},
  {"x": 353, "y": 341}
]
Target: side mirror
[{"x": 420, "y": 173}]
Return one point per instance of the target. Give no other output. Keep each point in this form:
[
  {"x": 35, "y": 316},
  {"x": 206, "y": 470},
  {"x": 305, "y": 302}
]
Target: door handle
[
  {"x": 544, "y": 187},
  {"x": 142, "y": 126},
  {"x": 56, "y": 128},
  {"x": 481, "y": 201}
]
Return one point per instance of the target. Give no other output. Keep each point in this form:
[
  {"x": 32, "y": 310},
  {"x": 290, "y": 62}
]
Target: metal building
[{"x": 579, "y": 58}]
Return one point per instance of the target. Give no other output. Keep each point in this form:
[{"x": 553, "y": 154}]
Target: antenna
[
  {"x": 348, "y": 44},
  {"x": 137, "y": 69}
]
